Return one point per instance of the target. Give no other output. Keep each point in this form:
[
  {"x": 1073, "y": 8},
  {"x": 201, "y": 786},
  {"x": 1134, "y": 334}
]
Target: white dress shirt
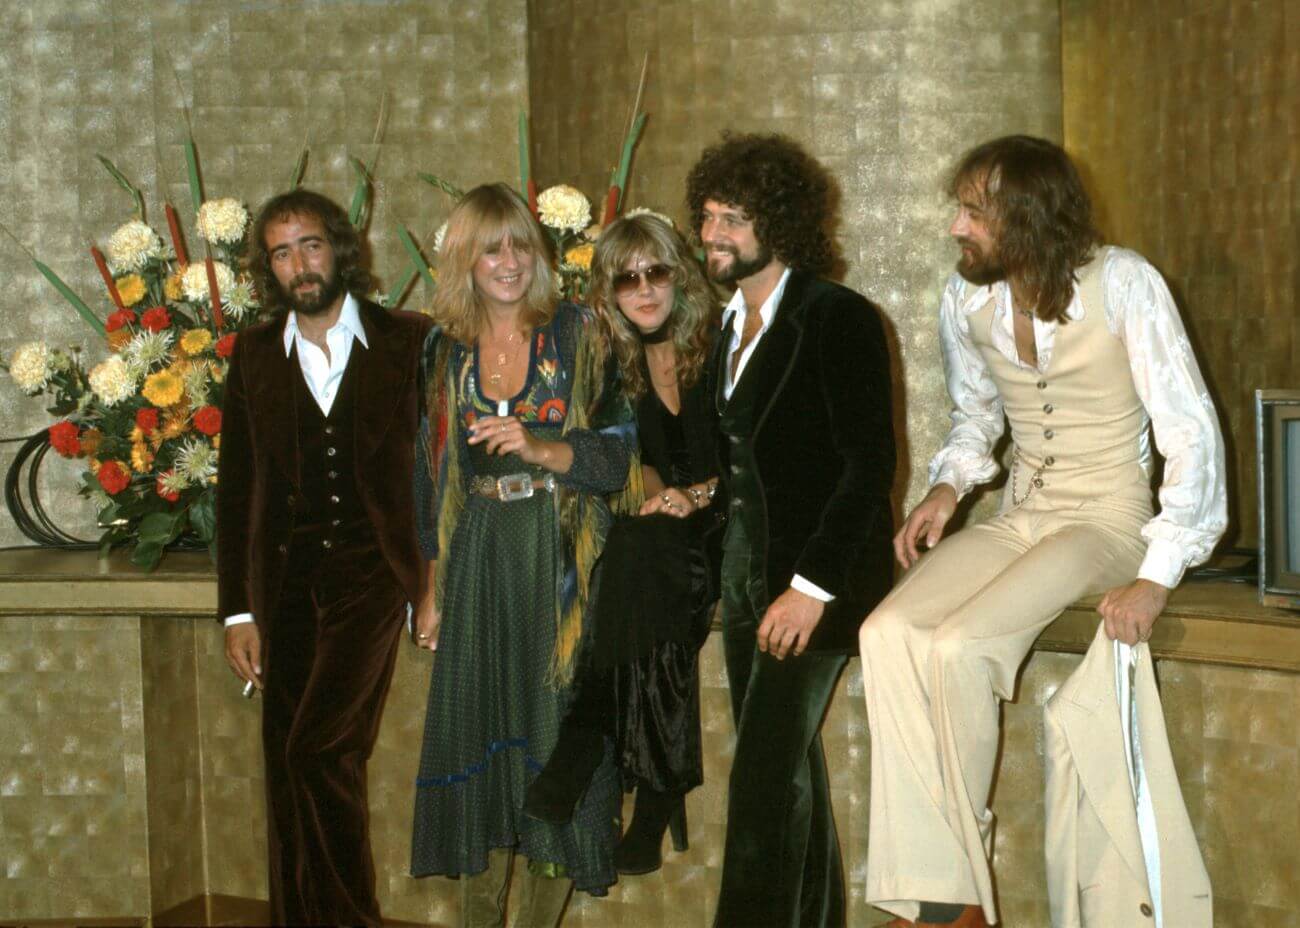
[
  {"x": 1140, "y": 312},
  {"x": 767, "y": 312},
  {"x": 322, "y": 375}
]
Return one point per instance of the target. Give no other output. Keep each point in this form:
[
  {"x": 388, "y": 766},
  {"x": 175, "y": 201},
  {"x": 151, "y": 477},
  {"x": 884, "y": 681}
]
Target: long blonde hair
[
  {"x": 695, "y": 308},
  {"x": 480, "y": 222}
]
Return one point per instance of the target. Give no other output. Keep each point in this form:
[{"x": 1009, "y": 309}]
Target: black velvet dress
[{"x": 654, "y": 604}]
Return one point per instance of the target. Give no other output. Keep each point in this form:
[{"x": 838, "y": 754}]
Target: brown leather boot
[{"x": 971, "y": 917}]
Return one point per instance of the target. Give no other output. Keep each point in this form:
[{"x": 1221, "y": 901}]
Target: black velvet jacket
[
  {"x": 259, "y": 489},
  {"x": 824, "y": 446}
]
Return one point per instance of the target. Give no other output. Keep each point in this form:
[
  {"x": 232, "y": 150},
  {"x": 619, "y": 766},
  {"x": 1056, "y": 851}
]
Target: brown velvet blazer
[{"x": 259, "y": 483}]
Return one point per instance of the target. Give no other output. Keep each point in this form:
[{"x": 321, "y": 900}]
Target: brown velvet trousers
[{"x": 330, "y": 647}]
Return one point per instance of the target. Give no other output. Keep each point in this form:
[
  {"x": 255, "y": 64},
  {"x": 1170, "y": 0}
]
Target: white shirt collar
[
  {"x": 736, "y": 306},
  {"x": 349, "y": 320},
  {"x": 976, "y": 298}
]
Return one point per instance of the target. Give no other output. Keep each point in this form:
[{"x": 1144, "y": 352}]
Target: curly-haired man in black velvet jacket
[{"x": 807, "y": 450}]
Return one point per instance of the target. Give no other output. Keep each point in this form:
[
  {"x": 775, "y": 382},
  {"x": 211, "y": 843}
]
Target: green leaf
[
  {"x": 400, "y": 287},
  {"x": 147, "y": 554},
  {"x": 416, "y": 258},
  {"x": 450, "y": 189},
  {"x": 524, "y": 167},
  {"x": 360, "y": 195},
  {"x": 124, "y": 184},
  {"x": 299, "y": 168},
  {"x": 203, "y": 517},
  {"x": 192, "y": 172},
  {"x": 109, "y": 514},
  {"x": 77, "y": 302},
  {"x": 160, "y": 527}
]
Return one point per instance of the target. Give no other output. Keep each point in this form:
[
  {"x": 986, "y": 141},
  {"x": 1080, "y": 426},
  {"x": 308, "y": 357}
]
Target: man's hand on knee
[
  {"x": 928, "y": 519},
  {"x": 1130, "y": 611},
  {"x": 244, "y": 652},
  {"x": 788, "y": 623}
]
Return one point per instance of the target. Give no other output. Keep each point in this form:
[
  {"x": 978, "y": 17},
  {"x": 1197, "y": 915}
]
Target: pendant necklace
[{"x": 503, "y": 360}]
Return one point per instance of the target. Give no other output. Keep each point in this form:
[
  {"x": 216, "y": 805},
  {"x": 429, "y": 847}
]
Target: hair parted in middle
[
  {"x": 344, "y": 241},
  {"x": 1040, "y": 213},
  {"x": 778, "y": 185},
  {"x": 695, "y": 311},
  {"x": 483, "y": 219}
]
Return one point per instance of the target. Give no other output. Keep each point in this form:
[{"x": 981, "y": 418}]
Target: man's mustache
[{"x": 306, "y": 278}]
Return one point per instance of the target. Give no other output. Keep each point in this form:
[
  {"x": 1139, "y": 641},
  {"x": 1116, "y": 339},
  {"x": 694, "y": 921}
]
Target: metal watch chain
[{"x": 1035, "y": 481}]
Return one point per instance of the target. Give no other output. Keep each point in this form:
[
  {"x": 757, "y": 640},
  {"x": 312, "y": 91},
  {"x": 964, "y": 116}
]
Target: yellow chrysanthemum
[
  {"x": 580, "y": 255},
  {"x": 195, "y": 340},
  {"x": 172, "y": 286},
  {"x": 141, "y": 458},
  {"x": 131, "y": 289},
  {"x": 164, "y": 388},
  {"x": 176, "y": 424},
  {"x": 119, "y": 339}
]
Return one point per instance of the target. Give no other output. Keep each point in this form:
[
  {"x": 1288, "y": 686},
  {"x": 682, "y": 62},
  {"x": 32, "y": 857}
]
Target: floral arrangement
[{"x": 146, "y": 420}]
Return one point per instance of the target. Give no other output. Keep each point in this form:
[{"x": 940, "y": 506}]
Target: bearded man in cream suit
[{"x": 1081, "y": 349}]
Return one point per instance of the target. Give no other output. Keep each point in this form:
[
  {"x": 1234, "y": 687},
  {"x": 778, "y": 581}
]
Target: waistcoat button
[
  {"x": 333, "y": 475},
  {"x": 1049, "y": 461},
  {"x": 327, "y": 544},
  {"x": 334, "y": 500},
  {"x": 283, "y": 549},
  {"x": 1038, "y": 482},
  {"x": 329, "y": 430},
  {"x": 1049, "y": 434},
  {"x": 331, "y": 451},
  {"x": 1146, "y": 910},
  {"x": 1042, "y": 384},
  {"x": 1047, "y": 408}
]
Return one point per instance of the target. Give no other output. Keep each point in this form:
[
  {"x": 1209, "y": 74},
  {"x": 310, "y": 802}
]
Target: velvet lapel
[
  {"x": 718, "y": 362},
  {"x": 1090, "y": 718},
  {"x": 778, "y": 350},
  {"x": 382, "y": 373},
  {"x": 273, "y": 390}
]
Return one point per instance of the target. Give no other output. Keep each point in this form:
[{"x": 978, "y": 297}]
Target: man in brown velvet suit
[{"x": 317, "y": 552}]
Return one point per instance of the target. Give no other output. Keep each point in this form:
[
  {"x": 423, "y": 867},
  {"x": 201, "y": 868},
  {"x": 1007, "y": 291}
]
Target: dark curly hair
[
  {"x": 778, "y": 185},
  {"x": 343, "y": 238},
  {"x": 1041, "y": 214}
]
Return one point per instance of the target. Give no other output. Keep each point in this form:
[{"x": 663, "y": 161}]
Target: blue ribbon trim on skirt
[{"x": 494, "y": 747}]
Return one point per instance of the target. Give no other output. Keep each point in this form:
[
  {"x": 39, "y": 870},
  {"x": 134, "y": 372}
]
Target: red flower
[
  {"x": 225, "y": 345},
  {"x": 65, "y": 438},
  {"x": 170, "y": 495},
  {"x": 146, "y": 420},
  {"x": 208, "y": 420},
  {"x": 156, "y": 319},
  {"x": 113, "y": 477},
  {"x": 119, "y": 320}
]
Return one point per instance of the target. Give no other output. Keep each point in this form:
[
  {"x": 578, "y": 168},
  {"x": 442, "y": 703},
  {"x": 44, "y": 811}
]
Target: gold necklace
[{"x": 503, "y": 360}]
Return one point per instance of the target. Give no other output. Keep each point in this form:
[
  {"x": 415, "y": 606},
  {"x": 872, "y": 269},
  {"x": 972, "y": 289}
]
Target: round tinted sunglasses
[{"x": 656, "y": 275}]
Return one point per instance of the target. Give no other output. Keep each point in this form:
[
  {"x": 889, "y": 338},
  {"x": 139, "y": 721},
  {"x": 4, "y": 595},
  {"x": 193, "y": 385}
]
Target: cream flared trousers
[{"x": 937, "y": 656}]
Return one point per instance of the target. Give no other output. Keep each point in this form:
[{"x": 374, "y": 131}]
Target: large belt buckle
[{"x": 514, "y": 486}]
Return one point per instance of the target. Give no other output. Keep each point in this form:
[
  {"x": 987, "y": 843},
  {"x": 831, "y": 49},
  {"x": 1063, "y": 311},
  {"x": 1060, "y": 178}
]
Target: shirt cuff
[
  {"x": 241, "y": 618},
  {"x": 809, "y": 588},
  {"x": 1164, "y": 563},
  {"x": 949, "y": 475}
]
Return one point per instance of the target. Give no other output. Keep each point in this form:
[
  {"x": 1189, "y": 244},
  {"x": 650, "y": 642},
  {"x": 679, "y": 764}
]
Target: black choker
[{"x": 658, "y": 336}]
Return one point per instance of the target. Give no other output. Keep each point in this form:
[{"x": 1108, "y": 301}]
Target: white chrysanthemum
[
  {"x": 239, "y": 299},
  {"x": 111, "y": 381},
  {"x": 222, "y": 221},
  {"x": 197, "y": 385},
  {"x": 196, "y": 460},
  {"x": 145, "y": 350},
  {"x": 173, "y": 481},
  {"x": 438, "y": 238},
  {"x": 647, "y": 211},
  {"x": 31, "y": 367},
  {"x": 132, "y": 245},
  {"x": 563, "y": 207},
  {"x": 194, "y": 282}
]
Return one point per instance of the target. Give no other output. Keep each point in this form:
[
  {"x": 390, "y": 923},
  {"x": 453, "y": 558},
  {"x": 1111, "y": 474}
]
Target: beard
[
  {"x": 740, "y": 267},
  {"x": 328, "y": 290},
  {"x": 978, "y": 266}
]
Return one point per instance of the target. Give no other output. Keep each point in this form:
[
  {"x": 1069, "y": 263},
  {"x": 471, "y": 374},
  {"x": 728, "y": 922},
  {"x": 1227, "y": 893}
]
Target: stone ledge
[{"x": 1215, "y": 623}]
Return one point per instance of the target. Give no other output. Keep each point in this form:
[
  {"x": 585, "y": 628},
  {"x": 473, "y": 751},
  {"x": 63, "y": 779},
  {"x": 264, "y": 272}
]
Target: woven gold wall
[
  {"x": 79, "y": 77},
  {"x": 886, "y": 94},
  {"x": 1185, "y": 118}
]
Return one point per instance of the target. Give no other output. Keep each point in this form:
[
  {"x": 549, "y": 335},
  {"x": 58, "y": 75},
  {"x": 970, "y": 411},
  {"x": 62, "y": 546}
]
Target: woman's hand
[
  {"x": 426, "y": 622},
  {"x": 671, "y": 501}
]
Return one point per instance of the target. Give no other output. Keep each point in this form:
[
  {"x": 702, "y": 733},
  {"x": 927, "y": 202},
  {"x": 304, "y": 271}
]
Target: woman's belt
[{"x": 511, "y": 486}]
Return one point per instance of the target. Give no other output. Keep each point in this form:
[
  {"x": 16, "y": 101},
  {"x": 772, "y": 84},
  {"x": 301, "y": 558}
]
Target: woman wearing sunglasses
[{"x": 638, "y": 681}]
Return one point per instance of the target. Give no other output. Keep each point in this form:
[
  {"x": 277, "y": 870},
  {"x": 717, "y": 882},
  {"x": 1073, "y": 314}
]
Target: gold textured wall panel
[
  {"x": 1185, "y": 117},
  {"x": 80, "y": 77},
  {"x": 885, "y": 93}
]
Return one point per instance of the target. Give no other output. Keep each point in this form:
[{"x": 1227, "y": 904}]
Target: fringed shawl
[{"x": 596, "y": 403}]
